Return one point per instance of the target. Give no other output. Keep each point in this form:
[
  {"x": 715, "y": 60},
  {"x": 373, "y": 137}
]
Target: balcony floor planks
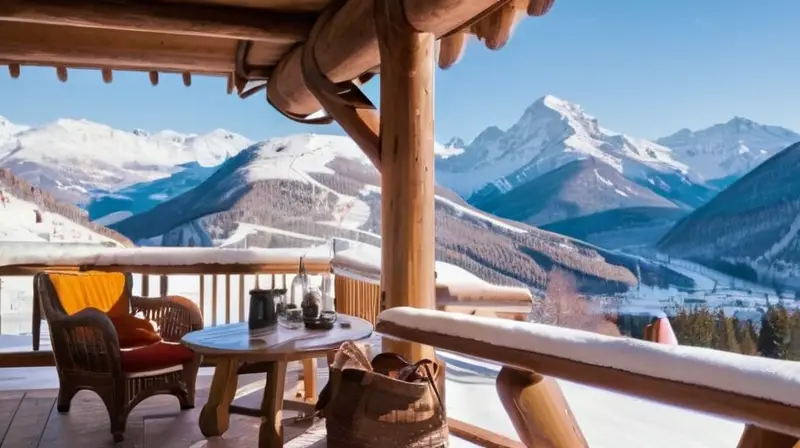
[{"x": 29, "y": 419}]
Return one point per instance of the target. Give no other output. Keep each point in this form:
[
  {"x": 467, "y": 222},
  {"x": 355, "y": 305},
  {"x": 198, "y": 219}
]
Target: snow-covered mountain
[
  {"x": 752, "y": 227},
  {"x": 300, "y": 190},
  {"x": 9, "y": 129},
  {"x": 553, "y": 132},
  {"x": 580, "y": 187},
  {"x": 729, "y": 150},
  {"x": 28, "y": 214},
  {"x": 73, "y": 159}
]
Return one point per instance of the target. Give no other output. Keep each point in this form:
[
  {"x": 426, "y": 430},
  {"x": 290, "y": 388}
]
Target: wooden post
[
  {"x": 228, "y": 305},
  {"x": 164, "y": 285},
  {"x": 145, "y": 285},
  {"x": 538, "y": 410},
  {"x": 755, "y": 437},
  {"x": 203, "y": 297},
  {"x": 241, "y": 297},
  {"x": 407, "y": 162}
]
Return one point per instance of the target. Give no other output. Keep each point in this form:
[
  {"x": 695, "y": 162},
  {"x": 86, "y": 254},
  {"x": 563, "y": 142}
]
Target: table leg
[
  {"x": 310, "y": 379},
  {"x": 215, "y": 416},
  {"x": 270, "y": 435}
]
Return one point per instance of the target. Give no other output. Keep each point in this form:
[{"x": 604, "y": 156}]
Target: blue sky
[{"x": 643, "y": 67}]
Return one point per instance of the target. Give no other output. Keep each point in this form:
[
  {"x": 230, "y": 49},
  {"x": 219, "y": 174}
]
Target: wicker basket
[{"x": 388, "y": 402}]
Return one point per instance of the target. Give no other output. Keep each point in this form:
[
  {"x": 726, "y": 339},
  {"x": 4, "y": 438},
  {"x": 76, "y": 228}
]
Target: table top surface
[{"x": 275, "y": 342}]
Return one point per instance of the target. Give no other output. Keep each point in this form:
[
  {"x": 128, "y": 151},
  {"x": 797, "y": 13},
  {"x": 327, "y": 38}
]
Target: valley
[{"x": 556, "y": 189}]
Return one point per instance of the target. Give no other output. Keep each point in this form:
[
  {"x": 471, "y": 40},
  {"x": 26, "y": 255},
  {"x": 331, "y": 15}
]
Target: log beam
[
  {"x": 407, "y": 185},
  {"x": 348, "y": 45},
  {"x": 196, "y": 20},
  {"x": 538, "y": 410},
  {"x": 74, "y": 47},
  {"x": 351, "y": 110}
]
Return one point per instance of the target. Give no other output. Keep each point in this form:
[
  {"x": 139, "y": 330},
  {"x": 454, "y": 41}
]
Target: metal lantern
[{"x": 290, "y": 313}]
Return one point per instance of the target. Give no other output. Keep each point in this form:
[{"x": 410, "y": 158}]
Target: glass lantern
[
  {"x": 328, "y": 302},
  {"x": 289, "y": 310},
  {"x": 317, "y": 306}
]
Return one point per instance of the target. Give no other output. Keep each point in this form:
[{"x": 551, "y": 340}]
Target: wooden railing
[
  {"x": 537, "y": 408},
  {"x": 766, "y": 395},
  {"x": 221, "y": 302}
]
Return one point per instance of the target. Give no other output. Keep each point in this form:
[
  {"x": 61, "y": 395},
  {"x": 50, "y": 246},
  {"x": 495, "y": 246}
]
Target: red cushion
[
  {"x": 155, "y": 356},
  {"x": 134, "y": 331}
]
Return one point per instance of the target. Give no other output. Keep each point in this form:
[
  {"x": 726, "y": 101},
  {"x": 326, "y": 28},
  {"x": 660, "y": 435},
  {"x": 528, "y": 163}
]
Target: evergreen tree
[
  {"x": 793, "y": 346},
  {"x": 767, "y": 338},
  {"x": 724, "y": 337},
  {"x": 745, "y": 336}
]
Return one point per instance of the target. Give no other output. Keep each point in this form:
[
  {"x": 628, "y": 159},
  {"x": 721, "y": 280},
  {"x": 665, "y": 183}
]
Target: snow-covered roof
[{"x": 452, "y": 282}]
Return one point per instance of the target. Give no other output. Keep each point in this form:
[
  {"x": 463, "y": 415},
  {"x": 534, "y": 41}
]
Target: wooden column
[
  {"x": 538, "y": 410},
  {"x": 407, "y": 163}
]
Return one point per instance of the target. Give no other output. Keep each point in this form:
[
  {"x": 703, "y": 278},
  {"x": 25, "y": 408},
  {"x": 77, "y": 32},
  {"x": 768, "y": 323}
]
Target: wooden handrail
[{"x": 768, "y": 414}]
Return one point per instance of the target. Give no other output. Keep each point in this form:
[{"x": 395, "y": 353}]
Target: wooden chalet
[{"x": 308, "y": 59}]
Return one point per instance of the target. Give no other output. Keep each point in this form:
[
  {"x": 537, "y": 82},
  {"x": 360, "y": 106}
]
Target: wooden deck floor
[{"x": 29, "y": 419}]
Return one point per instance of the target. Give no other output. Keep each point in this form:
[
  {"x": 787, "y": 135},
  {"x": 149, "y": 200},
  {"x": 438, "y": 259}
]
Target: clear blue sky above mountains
[{"x": 643, "y": 67}]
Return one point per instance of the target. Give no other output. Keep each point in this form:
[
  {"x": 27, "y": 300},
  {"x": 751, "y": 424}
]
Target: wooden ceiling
[{"x": 239, "y": 39}]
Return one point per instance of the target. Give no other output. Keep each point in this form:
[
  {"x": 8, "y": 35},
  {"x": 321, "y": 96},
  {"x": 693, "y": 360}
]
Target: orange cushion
[
  {"x": 155, "y": 356},
  {"x": 102, "y": 290},
  {"x": 134, "y": 331}
]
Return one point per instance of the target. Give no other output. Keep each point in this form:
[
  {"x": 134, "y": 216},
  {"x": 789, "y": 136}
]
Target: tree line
[{"x": 776, "y": 335}]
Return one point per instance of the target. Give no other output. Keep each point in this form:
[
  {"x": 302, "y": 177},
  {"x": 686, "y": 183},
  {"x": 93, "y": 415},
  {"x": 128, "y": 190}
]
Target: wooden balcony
[{"x": 219, "y": 285}]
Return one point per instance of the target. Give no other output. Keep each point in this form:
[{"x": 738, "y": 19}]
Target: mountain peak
[
  {"x": 742, "y": 124},
  {"x": 455, "y": 142},
  {"x": 731, "y": 148}
]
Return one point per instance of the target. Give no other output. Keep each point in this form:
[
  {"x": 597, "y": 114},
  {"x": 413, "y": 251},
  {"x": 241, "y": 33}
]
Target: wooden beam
[
  {"x": 407, "y": 161},
  {"x": 190, "y": 20},
  {"x": 348, "y": 45},
  {"x": 34, "y": 44},
  {"x": 362, "y": 123}
]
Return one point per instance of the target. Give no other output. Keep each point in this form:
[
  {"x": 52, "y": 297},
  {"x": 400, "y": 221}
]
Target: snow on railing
[{"x": 761, "y": 392}]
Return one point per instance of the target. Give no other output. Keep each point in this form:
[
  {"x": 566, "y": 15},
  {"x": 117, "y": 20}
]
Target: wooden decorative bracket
[{"x": 345, "y": 102}]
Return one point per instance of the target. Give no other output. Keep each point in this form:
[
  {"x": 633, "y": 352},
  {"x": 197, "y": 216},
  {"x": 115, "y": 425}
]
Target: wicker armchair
[{"x": 88, "y": 352}]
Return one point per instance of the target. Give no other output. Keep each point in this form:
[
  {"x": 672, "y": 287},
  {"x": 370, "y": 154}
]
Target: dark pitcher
[{"x": 262, "y": 308}]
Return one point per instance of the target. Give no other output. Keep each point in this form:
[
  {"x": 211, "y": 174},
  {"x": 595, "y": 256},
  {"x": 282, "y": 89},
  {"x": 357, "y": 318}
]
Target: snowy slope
[
  {"x": 550, "y": 133},
  {"x": 578, "y": 188},
  {"x": 299, "y": 190},
  {"x": 108, "y": 207},
  {"x": 729, "y": 149},
  {"x": 18, "y": 222},
  {"x": 754, "y": 223},
  {"x": 71, "y": 158}
]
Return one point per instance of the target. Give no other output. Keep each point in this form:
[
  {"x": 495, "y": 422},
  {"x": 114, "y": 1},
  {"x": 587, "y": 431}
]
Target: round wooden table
[{"x": 228, "y": 346}]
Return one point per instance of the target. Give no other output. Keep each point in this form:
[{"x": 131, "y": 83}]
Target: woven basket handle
[
  {"x": 432, "y": 384},
  {"x": 349, "y": 351}
]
